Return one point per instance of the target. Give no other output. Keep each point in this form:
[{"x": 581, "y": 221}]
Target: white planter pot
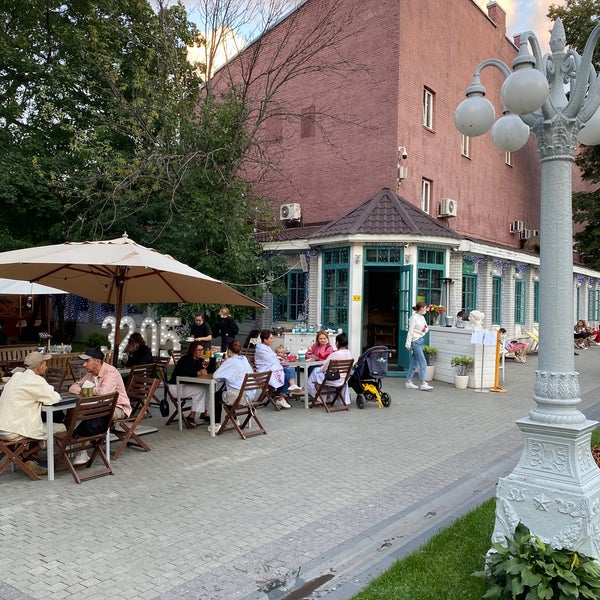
[
  {"x": 461, "y": 382},
  {"x": 429, "y": 372}
]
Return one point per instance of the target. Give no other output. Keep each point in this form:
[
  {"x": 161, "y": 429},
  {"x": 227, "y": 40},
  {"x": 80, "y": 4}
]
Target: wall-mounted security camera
[{"x": 402, "y": 152}]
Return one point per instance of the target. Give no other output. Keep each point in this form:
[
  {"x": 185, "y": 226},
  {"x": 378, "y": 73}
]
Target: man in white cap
[{"x": 21, "y": 404}]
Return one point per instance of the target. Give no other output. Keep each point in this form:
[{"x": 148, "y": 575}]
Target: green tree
[{"x": 579, "y": 18}]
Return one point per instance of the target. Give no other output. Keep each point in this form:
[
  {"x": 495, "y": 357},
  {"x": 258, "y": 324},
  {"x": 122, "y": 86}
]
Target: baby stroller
[{"x": 370, "y": 368}]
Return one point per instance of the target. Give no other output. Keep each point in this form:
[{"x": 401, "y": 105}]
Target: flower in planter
[
  {"x": 436, "y": 309},
  {"x": 462, "y": 363},
  {"x": 430, "y": 353}
]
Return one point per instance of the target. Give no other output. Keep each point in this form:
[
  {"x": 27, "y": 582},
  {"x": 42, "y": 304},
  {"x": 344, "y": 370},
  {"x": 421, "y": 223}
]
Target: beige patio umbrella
[{"x": 117, "y": 272}]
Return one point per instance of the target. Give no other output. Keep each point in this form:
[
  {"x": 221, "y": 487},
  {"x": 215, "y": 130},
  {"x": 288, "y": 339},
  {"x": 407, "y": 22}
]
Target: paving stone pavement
[{"x": 333, "y": 496}]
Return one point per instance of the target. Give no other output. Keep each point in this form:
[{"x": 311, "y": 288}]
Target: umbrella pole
[{"x": 120, "y": 286}]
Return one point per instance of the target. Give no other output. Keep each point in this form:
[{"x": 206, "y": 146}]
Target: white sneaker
[
  {"x": 425, "y": 386},
  {"x": 217, "y": 426},
  {"x": 81, "y": 458},
  {"x": 410, "y": 385},
  {"x": 283, "y": 403},
  {"x": 294, "y": 388}
]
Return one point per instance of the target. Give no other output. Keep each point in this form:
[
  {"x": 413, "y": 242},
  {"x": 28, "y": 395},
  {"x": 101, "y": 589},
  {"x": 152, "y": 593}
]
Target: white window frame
[
  {"x": 425, "y": 195},
  {"x": 428, "y": 108}
]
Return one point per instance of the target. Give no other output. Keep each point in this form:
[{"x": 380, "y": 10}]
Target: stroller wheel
[
  {"x": 386, "y": 399},
  {"x": 360, "y": 401}
]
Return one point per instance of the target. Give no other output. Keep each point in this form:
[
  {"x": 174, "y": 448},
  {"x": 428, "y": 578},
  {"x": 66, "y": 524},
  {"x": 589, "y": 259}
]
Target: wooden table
[
  {"x": 66, "y": 403},
  {"x": 212, "y": 385},
  {"x": 303, "y": 366}
]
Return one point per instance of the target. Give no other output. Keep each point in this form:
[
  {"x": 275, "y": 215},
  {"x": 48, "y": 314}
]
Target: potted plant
[
  {"x": 463, "y": 365},
  {"x": 430, "y": 353}
]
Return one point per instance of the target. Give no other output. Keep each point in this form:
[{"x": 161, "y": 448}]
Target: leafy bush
[
  {"x": 462, "y": 363},
  {"x": 96, "y": 340},
  {"x": 430, "y": 353},
  {"x": 529, "y": 569}
]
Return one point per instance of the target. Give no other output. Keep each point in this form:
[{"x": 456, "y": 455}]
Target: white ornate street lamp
[{"x": 555, "y": 487}]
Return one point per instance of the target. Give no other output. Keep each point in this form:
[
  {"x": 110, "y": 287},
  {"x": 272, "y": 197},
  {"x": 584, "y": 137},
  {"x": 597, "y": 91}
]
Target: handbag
[
  {"x": 335, "y": 376},
  {"x": 164, "y": 407}
]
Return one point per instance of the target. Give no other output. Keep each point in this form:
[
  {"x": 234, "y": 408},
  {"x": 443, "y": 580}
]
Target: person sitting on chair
[
  {"x": 21, "y": 406},
  {"x": 317, "y": 376},
  {"x": 232, "y": 372},
  {"x": 192, "y": 364},
  {"x": 283, "y": 379},
  {"x": 139, "y": 352},
  {"x": 582, "y": 335},
  {"x": 519, "y": 349}
]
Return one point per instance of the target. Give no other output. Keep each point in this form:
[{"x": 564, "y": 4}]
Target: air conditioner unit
[
  {"x": 517, "y": 226},
  {"x": 289, "y": 212},
  {"x": 526, "y": 234},
  {"x": 448, "y": 207},
  {"x": 535, "y": 233}
]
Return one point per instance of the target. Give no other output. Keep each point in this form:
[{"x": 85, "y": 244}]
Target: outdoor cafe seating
[
  {"x": 15, "y": 453},
  {"x": 140, "y": 390},
  {"x": 330, "y": 390},
  {"x": 242, "y": 413},
  {"x": 87, "y": 431}
]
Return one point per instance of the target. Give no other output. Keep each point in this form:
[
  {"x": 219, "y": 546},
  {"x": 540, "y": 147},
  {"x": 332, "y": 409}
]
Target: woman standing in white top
[{"x": 417, "y": 329}]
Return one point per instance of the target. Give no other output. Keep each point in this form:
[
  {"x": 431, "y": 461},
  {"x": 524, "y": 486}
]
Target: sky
[
  {"x": 527, "y": 15},
  {"x": 521, "y": 15}
]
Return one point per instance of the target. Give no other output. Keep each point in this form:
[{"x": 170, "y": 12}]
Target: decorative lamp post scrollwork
[{"x": 555, "y": 488}]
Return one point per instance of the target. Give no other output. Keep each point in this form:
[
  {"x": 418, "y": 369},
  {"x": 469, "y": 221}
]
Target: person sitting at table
[
  {"x": 283, "y": 379},
  {"x": 232, "y": 371},
  {"x": 106, "y": 379},
  {"x": 21, "y": 406},
  {"x": 317, "y": 376},
  {"x": 192, "y": 364},
  {"x": 321, "y": 349},
  {"x": 201, "y": 331},
  {"x": 138, "y": 352}
]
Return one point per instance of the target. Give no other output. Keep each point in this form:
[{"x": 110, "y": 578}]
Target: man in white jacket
[{"x": 21, "y": 403}]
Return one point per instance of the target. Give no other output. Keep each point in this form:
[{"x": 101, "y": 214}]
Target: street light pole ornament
[{"x": 557, "y": 97}]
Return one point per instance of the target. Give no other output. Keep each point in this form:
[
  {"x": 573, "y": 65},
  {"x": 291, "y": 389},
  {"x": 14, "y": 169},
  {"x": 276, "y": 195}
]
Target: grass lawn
[{"x": 442, "y": 568}]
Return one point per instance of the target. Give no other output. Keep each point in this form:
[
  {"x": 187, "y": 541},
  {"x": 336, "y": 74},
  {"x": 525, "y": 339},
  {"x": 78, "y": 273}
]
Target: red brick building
[{"x": 385, "y": 119}]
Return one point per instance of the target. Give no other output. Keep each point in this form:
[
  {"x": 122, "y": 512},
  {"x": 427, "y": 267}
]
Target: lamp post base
[{"x": 554, "y": 489}]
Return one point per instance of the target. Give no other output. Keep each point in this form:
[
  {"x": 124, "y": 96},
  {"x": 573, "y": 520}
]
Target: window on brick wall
[
  {"x": 307, "y": 122},
  {"x": 519, "y": 301},
  {"x": 425, "y": 195},
  {"x": 496, "y": 300},
  {"x": 428, "y": 108}
]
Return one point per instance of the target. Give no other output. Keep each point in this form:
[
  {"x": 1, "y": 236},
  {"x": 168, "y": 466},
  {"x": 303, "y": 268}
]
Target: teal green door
[{"x": 404, "y": 313}]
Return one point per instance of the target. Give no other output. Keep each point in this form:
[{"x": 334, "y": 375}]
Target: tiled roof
[
  {"x": 386, "y": 213},
  {"x": 289, "y": 234}
]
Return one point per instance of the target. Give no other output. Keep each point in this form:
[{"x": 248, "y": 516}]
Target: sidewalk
[{"x": 323, "y": 499}]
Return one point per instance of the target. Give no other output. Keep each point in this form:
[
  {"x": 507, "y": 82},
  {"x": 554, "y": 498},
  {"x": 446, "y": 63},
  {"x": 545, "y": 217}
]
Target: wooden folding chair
[
  {"x": 15, "y": 453},
  {"x": 249, "y": 353},
  {"x": 55, "y": 376},
  {"x": 140, "y": 391},
  {"x": 78, "y": 371},
  {"x": 148, "y": 370},
  {"x": 326, "y": 393},
  {"x": 97, "y": 413},
  {"x": 185, "y": 407},
  {"x": 243, "y": 410}
]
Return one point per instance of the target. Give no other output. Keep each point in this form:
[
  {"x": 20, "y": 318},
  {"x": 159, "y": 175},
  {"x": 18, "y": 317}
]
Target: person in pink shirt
[
  {"x": 106, "y": 379},
  {"x": 321, "y": 349}
]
